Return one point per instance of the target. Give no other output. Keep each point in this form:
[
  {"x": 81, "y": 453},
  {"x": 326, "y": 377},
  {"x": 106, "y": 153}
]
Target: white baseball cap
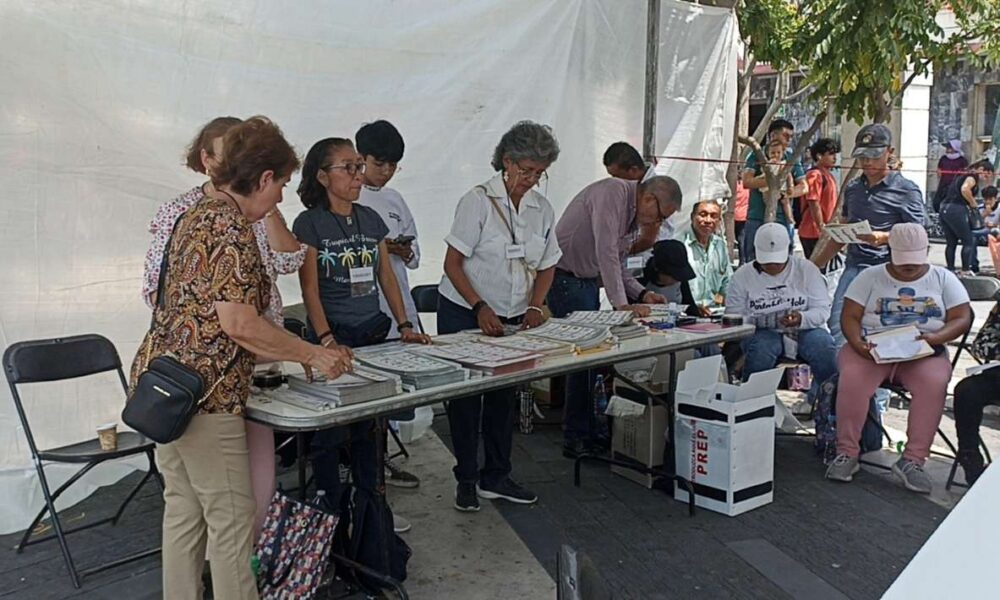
[{"x": 771, "y": 244}]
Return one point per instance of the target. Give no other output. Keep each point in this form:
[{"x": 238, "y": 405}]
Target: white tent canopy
[{"x": 100, "y": 100}]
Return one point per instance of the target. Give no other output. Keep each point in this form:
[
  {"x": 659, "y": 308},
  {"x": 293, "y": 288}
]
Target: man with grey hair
[{"x": 594, "y": 234}]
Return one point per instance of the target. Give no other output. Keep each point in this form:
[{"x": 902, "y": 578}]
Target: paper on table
[{"x": 847, "y": 233}]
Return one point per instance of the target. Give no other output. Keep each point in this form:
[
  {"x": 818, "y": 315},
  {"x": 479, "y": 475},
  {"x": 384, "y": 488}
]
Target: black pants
[
  {"x": 955, "y": 226},
  {"x": 493, "y": 412},
  {"x": 808, "y": 245},
  {"x": 972, "y": 394}
]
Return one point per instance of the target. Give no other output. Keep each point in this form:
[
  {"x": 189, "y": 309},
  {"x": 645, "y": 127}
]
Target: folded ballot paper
[
  {"x": 847, "y": 233},
  {"x": 899, "y": 344}
]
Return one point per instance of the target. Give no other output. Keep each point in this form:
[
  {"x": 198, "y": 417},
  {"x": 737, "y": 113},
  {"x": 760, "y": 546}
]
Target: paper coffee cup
[{"x": 108, "y": 436}]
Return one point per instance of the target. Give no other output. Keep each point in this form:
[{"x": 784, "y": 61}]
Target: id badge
[
  {"x": 362, "y": 281},
  {"x": 634, "y": 262},
  {"x": 514, "y": 251}
]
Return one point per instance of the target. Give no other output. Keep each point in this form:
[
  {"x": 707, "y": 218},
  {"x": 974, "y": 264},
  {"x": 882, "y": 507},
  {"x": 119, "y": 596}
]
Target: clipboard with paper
[
  {"x": 847, "y": 233},
  {"x": 900, "y": 344}
]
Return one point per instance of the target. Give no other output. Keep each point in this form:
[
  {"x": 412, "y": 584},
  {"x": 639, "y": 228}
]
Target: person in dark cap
[{"x": 668, "y": 273}]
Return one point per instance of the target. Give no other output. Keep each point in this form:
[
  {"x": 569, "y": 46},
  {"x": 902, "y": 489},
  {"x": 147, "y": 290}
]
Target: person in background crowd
[
  {"x": 740, "y": 218},
  {"x": 280, "y": 253},
  {"x": 956, "y": 206},
  {"x": 215, "y": 290},
  {"x": 780, "y": 131},
  {"x": 950, "y": 165},
  {"x": 347, "y": 264},
  {"x": 594, "y": 232},
  {"x": 498, "y": 267},
  {"x": 785, "y": 297},
  {"x": 820, "y": 201},
  {"x": 707, "y": 254},
  {"x": 907, "y": 291},
  {"x": 991, "y": 216},
  {"x": 623, "y": 161},
  {"x": 974, "y": 393}
]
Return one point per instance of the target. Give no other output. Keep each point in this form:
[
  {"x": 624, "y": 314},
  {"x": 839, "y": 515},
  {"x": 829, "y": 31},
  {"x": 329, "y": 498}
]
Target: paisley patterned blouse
[{"x": 213, "y": 258}]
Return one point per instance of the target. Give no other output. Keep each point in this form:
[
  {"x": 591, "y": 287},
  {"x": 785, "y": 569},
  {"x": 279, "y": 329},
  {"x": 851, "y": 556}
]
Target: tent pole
[{"x": 652, "y": 64}]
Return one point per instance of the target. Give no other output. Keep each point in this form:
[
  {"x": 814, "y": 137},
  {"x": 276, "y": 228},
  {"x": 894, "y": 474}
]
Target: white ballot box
[{"x": 725, "y": 437}]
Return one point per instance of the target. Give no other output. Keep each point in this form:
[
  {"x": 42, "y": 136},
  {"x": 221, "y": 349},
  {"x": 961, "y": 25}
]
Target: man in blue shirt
[
  {"x": 881, "y": 196},
  {"x": 754, "y": 180}
]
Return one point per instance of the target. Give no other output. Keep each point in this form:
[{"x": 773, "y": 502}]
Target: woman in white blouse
[{"x": 499, "y": 265}]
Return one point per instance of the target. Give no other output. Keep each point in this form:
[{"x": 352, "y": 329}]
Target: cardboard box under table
[
  {"x": 725, "y": 437},
  {"x": 639, "y": 439}
]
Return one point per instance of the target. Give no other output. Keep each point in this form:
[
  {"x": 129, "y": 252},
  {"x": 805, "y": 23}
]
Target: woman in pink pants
[{"x": 906, "y": 291}]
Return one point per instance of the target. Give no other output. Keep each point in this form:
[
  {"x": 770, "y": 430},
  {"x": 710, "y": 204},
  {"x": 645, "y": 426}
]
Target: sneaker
[
  {"x": 400, "y": 524},
  {"x": 465, "y": 498},
  {"x": 913, "y": 476},
  {"x": 972, "y": 464},
  {"x": 506, "y": 489},
  {"x": 397, "y": 477},
  {"x": 843, "y": 468}
]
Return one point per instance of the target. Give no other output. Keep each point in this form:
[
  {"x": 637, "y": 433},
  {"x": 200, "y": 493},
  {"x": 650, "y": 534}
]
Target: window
[{"x": 991, "y": 105}]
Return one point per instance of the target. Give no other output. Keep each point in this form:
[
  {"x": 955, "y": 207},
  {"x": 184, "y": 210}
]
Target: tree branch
[{"x": 909, "y": 80}]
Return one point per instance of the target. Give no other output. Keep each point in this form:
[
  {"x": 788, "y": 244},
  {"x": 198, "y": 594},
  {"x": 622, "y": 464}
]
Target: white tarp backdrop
[{"x": 100, "y": 98}]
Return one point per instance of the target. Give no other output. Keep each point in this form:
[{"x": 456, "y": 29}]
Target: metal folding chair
[{"x": 70, "y": 358}]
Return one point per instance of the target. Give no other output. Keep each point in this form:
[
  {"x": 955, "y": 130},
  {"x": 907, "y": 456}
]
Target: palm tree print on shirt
[
  {"x": 367, "y": 256},
  {"x": 327, "y": 259},
  {"x": 347, "y": 257}
]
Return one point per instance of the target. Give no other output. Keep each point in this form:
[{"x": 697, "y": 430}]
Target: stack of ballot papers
[
  {"x": 360, "y": 385},
  {"x": 899, "y": 344},
  {"x": 584, "y": 337},
  {"x": 620, "y": 322},
  {"x": 486, "y": 358},
  {"x": 527, "y": 343},
  {"x": 414, "y": 368},
  {"x": 287, "y": 396}
]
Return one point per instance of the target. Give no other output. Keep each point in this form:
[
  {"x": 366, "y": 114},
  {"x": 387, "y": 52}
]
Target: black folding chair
[
  {"x": 425, "y": 298},
  {"x": 69, "y": 358}
]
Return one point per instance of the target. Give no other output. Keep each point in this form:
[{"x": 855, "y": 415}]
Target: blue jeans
[
  {"x": 569, "y": 293},
  {"x": 747, "y": 251},
  {"x": 816, "y": 348},
  {"x": 955, "y": 226},
  {"x": 849, "y": 274},
  {"x": 492, "y": 413}
]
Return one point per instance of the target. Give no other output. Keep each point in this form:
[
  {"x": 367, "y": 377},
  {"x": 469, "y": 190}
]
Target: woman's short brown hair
[
  {"x": 217, "y": 127},
  {"x": 250, "y": 148}
]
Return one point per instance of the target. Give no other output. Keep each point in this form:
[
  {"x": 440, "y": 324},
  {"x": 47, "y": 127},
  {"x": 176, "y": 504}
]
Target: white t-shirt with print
[
  {"x": 890, "y": 302},
  {"x": 764, "y": 299}
]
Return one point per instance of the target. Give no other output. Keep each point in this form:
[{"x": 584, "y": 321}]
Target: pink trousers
[
  {"x": 927, "y": 381},
  {"x": 260, "y": 444}
]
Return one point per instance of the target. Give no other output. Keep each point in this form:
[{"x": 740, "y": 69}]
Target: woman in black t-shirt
[{"x": 960, "y": 199}]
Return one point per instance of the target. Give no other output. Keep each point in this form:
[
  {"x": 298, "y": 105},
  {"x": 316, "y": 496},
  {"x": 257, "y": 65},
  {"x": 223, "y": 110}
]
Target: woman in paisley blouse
[
  {"x": 214, "y": 296},
  {"x": 281, "y": 254}
]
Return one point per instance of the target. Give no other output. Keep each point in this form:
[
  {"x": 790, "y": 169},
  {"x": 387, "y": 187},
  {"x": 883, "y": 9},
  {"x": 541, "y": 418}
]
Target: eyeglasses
[
  {"x": 351, "y": 168},
  {"x": 537, "y": 175}
]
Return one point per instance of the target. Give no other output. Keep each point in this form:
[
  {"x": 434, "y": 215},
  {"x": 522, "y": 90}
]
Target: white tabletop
[{"x": 287, "y": 417}]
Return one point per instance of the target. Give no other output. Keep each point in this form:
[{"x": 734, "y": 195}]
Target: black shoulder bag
[{"x": 168, "y": 393}]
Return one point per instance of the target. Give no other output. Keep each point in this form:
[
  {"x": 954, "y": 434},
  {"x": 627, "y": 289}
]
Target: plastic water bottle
[{"x": 600, "y": 405}]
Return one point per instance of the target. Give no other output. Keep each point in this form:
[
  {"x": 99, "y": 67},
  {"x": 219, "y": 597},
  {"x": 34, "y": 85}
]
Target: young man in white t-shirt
[
  {"x": 787, "y": 299},
  {"x": 382, "y": 146}
]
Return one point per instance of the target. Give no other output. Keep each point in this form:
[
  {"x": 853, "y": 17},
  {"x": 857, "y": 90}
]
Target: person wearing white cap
[
  {"x": 787, "y": 299},
  {"x": 906, "y": 291}
]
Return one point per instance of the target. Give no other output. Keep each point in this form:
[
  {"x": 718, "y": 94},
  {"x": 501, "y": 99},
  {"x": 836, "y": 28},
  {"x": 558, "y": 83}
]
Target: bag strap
[{"x": 496, "y": 207}]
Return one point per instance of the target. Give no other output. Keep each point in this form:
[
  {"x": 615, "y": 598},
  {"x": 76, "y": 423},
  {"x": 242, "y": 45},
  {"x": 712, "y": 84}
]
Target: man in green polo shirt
[
  {"x": 708, "y": 257},
  {"x": 754, "y": 180}
]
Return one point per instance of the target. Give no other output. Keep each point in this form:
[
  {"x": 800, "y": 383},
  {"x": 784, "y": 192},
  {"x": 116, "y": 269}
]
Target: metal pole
[{"x": 652, "y": 65}]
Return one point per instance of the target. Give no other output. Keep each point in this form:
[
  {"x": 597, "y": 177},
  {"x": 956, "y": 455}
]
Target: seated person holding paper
[
  {"x": 911, "y": 291},
  {"x": 786, "y": 298},
  {"x": 709, "y": 258},
  {"x": 668, "y": 273},
  {"x": 973, "y": 393}
]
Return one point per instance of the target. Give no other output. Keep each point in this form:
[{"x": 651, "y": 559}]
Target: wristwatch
[{"x": 404, "y": 325}]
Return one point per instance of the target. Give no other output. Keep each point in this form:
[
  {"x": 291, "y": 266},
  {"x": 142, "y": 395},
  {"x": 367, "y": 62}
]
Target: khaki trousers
[{"x": 209, "y": 501}]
